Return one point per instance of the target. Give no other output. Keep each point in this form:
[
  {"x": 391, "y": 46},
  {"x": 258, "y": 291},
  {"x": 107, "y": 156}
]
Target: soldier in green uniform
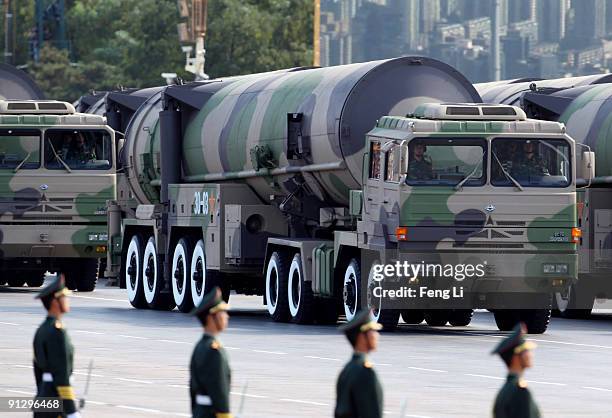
[
  {"x": 53, "y": 351},
  {"x": 419, "y": 167},
  {"x": 209, "y": 368},
  {"x": 514, "y": 399},
  {"x": 358, "y": 391},
  {"x": 529, "y": 163}
]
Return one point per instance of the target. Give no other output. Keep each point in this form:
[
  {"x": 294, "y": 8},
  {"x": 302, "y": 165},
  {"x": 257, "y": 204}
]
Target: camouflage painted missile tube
[
  {"x": 510, "y": 91},
  {"x": 240, "y": 132},
  {"x": 17, "y": 85}
]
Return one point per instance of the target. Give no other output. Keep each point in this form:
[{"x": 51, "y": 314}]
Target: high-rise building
[
  {"x": 519, "y": 10},
  {"x": 408, "y": 11},
  {"x": 551, "y": 17},
  {"x": 430, "y": 15},
  {"x": 589, "y": 21}
]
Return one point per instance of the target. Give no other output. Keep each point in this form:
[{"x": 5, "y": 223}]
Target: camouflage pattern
[
  {"x": 513, "y": 232},
  {"x": 510, "y": 91},
  {"x": 52, "y": 215},
  {"x": 17, "y": 85},
  {"x": 241, "y": 129}
]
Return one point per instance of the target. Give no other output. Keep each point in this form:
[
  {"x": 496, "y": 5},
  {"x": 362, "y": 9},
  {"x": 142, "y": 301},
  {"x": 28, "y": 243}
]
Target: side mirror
[{"x": 587, "y": 166}]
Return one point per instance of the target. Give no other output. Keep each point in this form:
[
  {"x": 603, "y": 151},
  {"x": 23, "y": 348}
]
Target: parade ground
[{"x": 141, "y": 361}]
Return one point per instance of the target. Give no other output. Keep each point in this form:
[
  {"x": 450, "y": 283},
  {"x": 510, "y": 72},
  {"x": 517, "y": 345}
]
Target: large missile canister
[
  {"x": 268, "y": 128},
  {"x": 17, "y": 85},
  {"x": 587, "y": 114},
  {"x": 509, "y": 92}
]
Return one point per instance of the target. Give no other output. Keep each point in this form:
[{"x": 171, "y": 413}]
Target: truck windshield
[
  {"x": 447, "y": 162},
  {"x": 77, "y": 149},
  {"x": 19, "y": 149},
  {"x": 531, "y": 162}
]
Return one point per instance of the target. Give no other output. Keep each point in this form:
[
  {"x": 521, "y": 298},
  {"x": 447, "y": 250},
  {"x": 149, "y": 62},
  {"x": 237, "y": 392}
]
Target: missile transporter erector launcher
[
  {"x": 57, "y": 170},
  {"x": 262, "y": 184}
]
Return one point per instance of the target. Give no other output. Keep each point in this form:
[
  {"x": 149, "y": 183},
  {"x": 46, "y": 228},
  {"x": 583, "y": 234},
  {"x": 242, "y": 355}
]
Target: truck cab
[
  {"x": 483, "y": 199},
  {"x": 57, "y": 170}
]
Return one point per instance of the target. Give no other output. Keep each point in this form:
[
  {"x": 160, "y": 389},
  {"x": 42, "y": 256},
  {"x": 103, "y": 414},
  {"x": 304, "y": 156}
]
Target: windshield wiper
[
  {"x": 508, "y": 176},
  {"x": 27, "y": 157},
  {"x": 459, "y": 185},
  {"x": 58, "y": 158}
]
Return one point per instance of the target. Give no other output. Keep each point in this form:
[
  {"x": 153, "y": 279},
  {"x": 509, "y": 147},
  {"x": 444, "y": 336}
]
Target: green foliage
[{"x": 131, "y": 42}]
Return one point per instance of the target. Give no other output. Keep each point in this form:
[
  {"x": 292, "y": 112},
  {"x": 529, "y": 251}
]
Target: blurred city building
[{"x": 536, "y": 38}]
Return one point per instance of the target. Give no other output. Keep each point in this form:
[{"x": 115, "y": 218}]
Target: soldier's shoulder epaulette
[
  {"x": 215, "y": 345},
  {"x": 58, "y": 325},
  {"x": 367, "y": 364},
  {"x": 522, "y": 383}
]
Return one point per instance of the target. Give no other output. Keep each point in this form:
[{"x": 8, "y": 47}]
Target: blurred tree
[
  {"x": 131, "y": 42},
  {"x": 249, "y": 36}
]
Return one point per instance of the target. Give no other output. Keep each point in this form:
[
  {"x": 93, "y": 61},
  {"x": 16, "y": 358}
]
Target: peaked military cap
[
  {"x": 55, "y": 289},
  {"x": 212, "y": 302},
  {"x": 514, "y": 343},
  {"x": 362, "y": 322}
]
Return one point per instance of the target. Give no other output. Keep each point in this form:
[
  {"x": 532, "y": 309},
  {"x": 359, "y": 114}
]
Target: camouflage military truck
[
  {"x": 57, "y": 170},
  {"x": 585, "y": 110},
  {"x": 276, "y": 184},
  {"x": 583, "y": 105}
]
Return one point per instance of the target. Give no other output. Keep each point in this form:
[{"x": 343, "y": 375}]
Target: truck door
[
  {"x": 373, "y": 190},
  {"x": 390, "y": 187}
]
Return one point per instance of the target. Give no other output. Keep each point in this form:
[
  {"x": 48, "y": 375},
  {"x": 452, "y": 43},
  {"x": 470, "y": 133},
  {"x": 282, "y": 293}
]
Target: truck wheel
[
  {"x": 537, "y": 320},
  {"x": 153, "y": 280},
  {"x": 201, "y": 279},
  {"x": 181, "y": 280},
  {"x": 16, "y": 282},
  {"x": 437, "y": 317},
  {"x": 461, "y": 317},
  {"x": 506, "y": 319},
  {"x": 350, "y": 290},
  {"x": 132, "y": 268},
  {"x": 277, "y": 287},
  {"x": 300, "y": 297},
  {"x": 85, "y": 275},
  {"x": 574, "y": 304},
  {"x": 35, "y": 278},
  {"x": 413, "y": 316},
  {"x": 388, "y": 318}
]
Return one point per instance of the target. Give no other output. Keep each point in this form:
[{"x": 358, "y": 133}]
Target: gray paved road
[{"x": 141, "y": 361}]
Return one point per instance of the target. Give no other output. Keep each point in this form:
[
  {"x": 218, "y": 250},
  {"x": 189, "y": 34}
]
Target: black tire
[
  {"x": 131, "y": 272},
  {"x": 351, "y": 286},
  {"x": 299, "y": 293},
  {"x": 436, "y": 317},
  {"x": 413, "y": 316},
  {"x": 153, "y": 279},
  {"x": 461, "y": 317},
  {"x": 536, "y": 320},
  {"x": 277, "y": 276},
  {"x": 389, "y": 318},
  {"x": 16, "y": 282},
  {"x": 506, "y": 319},
  {"x": 86, "y": 277},
  {"x": 180, "y": 275},
  {"x": 35, "y": 278},
  {"x": 576, "y": 304}
]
